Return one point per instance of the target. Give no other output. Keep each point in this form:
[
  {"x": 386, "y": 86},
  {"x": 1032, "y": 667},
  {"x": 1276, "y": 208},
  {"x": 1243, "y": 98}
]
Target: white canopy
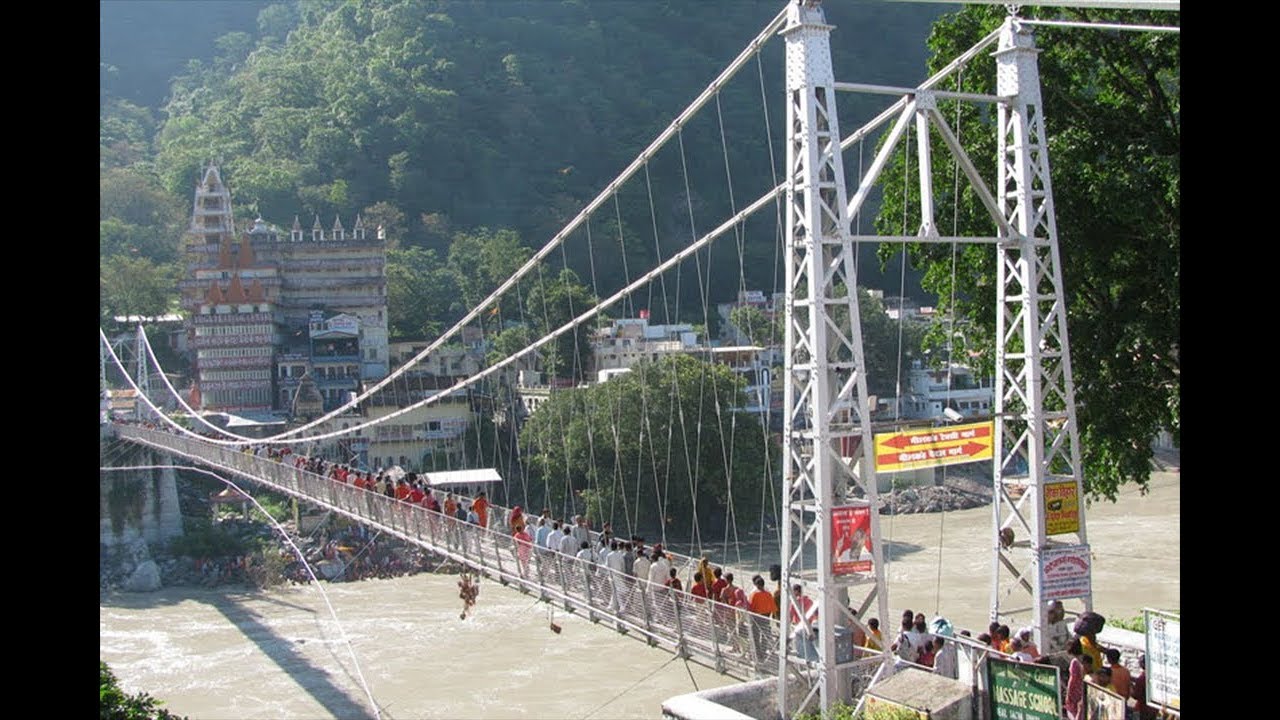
[{"x": 463, "y": 477}]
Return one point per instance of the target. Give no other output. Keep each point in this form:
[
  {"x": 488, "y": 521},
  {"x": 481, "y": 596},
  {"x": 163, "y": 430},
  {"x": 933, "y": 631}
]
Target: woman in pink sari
[{"x": 524, "y": 547}]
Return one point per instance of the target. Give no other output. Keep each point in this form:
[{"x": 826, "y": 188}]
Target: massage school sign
[
  {"x": 1064, "y": 572},
  {"x": 1021, "y": 691}
]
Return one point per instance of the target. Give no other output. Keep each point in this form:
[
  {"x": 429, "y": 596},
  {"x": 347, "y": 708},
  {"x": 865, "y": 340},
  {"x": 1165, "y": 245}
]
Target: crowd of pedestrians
[{"x": 740, "y": 614}]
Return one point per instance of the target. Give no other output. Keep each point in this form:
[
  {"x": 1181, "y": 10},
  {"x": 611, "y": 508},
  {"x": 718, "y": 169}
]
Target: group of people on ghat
[{"x": 1089, "y": 662}]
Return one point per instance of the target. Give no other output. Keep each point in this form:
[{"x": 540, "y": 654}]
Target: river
[{"x": 237, "y": 654}]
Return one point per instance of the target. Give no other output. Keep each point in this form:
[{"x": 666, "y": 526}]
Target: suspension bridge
[{"x": 828, "y": 463}]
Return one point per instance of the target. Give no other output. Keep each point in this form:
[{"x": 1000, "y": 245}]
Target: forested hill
[{"x": 438, "y": 117}]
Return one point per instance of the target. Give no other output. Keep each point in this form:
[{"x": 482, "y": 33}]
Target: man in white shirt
[
  {"x": 905, "y": 647},
  {"x": 554, "y": 538},
  {"x": 540, "y": 535},
  {"x": 617, "y": 564},
  {"x": 659, "y": 569},
  {"x": 945, "y": 662},
  {"x": 585, "y": 554},
  {"x": 569, "y": 546},
  {"x": 641, "y": 567},
  {"x": 580, "y": 532},
  {"x": 1056, "y": 634}
]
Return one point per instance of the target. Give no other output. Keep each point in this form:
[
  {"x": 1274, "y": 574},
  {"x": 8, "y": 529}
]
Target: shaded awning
[{"x": 463, "y": 477}]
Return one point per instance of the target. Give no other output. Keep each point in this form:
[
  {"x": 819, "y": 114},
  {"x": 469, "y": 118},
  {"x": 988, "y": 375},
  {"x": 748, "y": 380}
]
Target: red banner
[{"x": 850, "y": 540}]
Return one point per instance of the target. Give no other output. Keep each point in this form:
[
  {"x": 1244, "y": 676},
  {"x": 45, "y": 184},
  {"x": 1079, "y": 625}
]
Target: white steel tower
[
  {"x": 1039, "y": 537},
  {"x": 144, "y": 382},
  {"x": 826, "y": 424}
]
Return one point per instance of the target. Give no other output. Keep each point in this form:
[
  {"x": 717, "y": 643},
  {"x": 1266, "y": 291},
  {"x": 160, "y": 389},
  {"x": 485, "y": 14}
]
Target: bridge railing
[{"x": 733, "y": 640}]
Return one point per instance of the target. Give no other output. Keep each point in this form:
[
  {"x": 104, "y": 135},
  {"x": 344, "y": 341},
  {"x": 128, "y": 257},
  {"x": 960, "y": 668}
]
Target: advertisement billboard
[{"x": 850, "y": 539}]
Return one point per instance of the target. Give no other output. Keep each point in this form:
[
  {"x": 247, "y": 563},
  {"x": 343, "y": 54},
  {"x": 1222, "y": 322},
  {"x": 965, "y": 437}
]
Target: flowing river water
[{"x": 214, "y": 654}]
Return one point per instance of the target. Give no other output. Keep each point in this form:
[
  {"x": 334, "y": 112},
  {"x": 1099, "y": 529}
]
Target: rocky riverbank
[
  {"x": 339, "y": 553},
  {"x": 960, "y": 488}
]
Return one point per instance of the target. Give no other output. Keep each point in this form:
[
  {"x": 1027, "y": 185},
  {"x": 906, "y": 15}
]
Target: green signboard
[{"x": 1022, "y": 691}]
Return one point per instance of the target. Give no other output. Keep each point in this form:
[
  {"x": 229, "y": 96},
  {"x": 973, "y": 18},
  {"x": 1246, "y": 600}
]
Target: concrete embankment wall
[
  {"x": 137, "y": 504},
  {"x": 752, "y": 700}
]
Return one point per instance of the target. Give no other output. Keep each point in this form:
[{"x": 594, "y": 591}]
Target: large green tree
[
  {"x": 1111, "y": 111},
  {"x": 135, "y": 286},
  {"x": 421, "y": 291},
  {"x": 551, "y": 304},
  {"x": 660, "y": 445}
]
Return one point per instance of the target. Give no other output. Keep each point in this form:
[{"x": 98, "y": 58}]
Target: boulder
[{"x": 146, "y": 578}]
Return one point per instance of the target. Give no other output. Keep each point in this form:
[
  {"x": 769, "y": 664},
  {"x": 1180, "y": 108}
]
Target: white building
[
  {"x": 751, "y": 363},
  {"x": 630, "y": 341},
  {"x": 928, "y": 393}
]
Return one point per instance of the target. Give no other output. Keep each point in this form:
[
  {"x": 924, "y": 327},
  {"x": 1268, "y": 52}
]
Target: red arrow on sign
[
  {"x": 898, "y": 441},
  {"x": 973, "y": 448}
]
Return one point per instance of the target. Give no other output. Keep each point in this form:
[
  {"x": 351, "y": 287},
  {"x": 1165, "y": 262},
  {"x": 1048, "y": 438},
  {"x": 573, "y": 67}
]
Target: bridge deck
[{"x": 731, "y": 640}]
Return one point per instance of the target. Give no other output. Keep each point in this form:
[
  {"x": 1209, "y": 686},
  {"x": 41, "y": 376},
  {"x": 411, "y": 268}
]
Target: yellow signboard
[
  {"x": 934, "y": 447},
  {"x": 1061, "y": 508}
]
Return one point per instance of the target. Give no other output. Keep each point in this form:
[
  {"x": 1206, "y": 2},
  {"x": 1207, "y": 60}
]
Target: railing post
[
  {"x": 587, "y": 570},
  {"x": 539, "y": 562},
  {"x": 561, "y": 559},
  {"x": 644, "y": 605},
  {"x": 715, "y": 634},
  {"x": 682, "y": 647},
  {"x": 497, "y": 554},
  {"x": 753, "y": 631}
]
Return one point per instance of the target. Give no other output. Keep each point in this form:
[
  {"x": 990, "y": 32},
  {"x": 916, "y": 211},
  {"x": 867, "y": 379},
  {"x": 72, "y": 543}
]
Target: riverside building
[{"x": 264, "y": 307}]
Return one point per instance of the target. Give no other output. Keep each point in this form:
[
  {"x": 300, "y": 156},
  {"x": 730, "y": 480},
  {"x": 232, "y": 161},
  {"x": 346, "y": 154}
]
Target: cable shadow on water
[
  {"x": 281, "y": 652},
  {"x": 315, "y": 681}
]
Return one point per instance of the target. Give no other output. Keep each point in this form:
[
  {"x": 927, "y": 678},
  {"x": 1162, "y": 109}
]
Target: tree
[
  {"x": 115, "y": 704},
  {"x": 660, "y": 445},
  {"x": 482, "y": 260},
  {"x": 135, "y": 286},
  {"x": 136, "y": 216},
  {"x": 420, "y": 292},
  {"x": 1111, "y": 109},
  {"x": 888, "y": 345},
  {"x": 759, "y": 328},
  {"x": 551, "y": 304}
]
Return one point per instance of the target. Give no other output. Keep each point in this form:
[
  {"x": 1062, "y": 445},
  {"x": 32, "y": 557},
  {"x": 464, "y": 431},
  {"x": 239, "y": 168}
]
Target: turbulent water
[{"x": 215, "y": 654}]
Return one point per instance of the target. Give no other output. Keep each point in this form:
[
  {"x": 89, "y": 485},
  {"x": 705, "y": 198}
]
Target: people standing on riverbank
[
  {"x": 1121, "y": 680},
  {"x": 945, "y": 661},
  {"x": 1056, "y": 634},
  {"x": 1076, "y": 672},
  {"x": 875, "y": 640}
]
